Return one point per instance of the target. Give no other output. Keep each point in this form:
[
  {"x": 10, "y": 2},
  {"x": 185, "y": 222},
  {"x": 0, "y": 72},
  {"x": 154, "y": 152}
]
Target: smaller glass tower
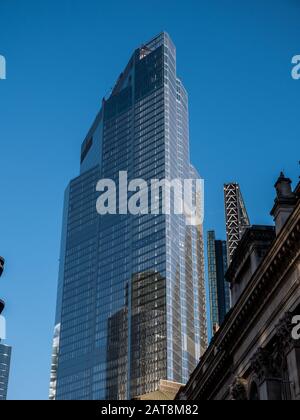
[
  {"x": 219, "y": 290},
  {"x": 5, "y": 356}
]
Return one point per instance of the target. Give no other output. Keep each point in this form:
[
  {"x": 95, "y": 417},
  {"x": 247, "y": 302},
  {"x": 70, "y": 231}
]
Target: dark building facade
[
  {"x": 256, "y": 353},
  {"x": 5, "y": 351},
  {"x": 219, "y": 290},
  {"x": 131, "y": 293}
]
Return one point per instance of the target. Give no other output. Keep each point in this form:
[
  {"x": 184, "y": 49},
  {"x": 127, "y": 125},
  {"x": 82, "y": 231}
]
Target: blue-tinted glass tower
[
  {"x": 5, "y": 357},
  {"x": 131, "y": 295},
  {"x": 219, "y": 289}
]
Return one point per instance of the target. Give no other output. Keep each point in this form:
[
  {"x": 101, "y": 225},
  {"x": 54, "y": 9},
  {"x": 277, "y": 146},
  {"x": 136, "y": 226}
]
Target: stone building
[{"x": 255, "y": 355}]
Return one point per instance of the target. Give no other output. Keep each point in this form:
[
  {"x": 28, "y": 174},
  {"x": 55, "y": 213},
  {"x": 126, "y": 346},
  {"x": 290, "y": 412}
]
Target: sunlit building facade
[{"x": 131, "y": 294}]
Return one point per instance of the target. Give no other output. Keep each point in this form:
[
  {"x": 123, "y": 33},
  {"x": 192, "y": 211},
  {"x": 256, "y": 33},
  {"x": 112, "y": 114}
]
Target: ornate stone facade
[
  {"x": 254, "y": 356},
  {"x": 238, "y": 389}
]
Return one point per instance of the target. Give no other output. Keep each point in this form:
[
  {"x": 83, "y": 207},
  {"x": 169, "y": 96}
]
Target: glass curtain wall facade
[
  {"x": 5, "y": 356},
  {"x": 219, "y": 288},
  {"x": 131, "y": 293}
]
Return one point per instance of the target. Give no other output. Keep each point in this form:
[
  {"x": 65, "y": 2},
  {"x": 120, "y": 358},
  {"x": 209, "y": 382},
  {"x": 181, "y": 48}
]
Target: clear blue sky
[{"x": 63, "y": 56}]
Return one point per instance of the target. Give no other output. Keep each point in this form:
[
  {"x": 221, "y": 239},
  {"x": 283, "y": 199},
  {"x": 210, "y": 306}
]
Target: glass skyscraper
[
  {"x": 131, "y": 307},
  {"x": 5, "y": 356},
  {"x": 219, "y": 289}
]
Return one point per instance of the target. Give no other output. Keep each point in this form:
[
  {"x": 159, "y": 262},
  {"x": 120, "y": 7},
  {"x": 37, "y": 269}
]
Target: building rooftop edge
[{"x": 218, "y": 341}]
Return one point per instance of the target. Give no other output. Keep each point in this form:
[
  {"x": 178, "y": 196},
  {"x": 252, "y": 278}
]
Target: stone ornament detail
[
  {"x": 285, "y": 342},
  {"x": 267, "y": 364},
  {"x": 264, "y": 365},
  {"x": 238, "y": 390}
]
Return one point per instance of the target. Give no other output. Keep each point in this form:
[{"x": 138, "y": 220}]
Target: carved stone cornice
[{"x": 238, "y": 390}]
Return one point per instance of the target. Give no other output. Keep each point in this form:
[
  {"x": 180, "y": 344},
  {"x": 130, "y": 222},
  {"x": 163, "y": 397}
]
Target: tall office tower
[
  {"x": 131, "y": 300},
  {"x": 219, "y": 290},
  {"x": 237, "y": 219},
  {"x": 5, "y": 356},
  {"x": 5, "y": 351}
]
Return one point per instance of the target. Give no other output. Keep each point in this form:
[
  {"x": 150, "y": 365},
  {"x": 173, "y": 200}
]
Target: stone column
[
  {"x": 268, "y": 375},
  {"x": 290, "y": 351}
]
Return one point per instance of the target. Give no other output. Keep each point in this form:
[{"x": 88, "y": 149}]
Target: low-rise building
[{"x": 255, "y": 355}]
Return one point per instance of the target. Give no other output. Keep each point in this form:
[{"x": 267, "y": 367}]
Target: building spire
[{"x": 237, "y": 219}]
